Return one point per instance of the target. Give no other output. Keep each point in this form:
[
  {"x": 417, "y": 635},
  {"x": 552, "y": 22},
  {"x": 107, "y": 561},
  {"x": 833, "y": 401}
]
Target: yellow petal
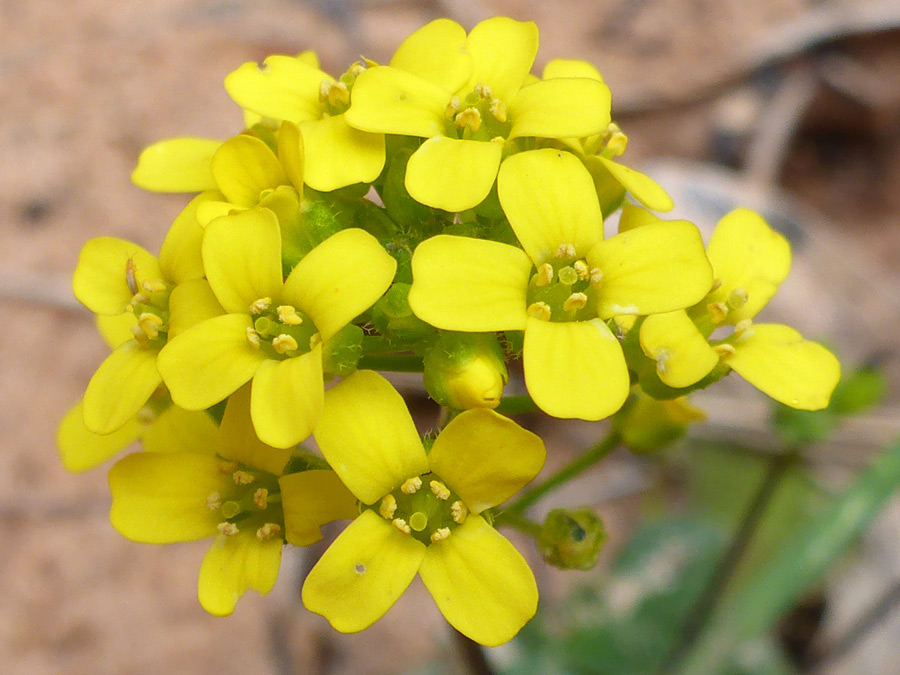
[
  {"x": 312, "y": 499},
  {"x": 657, "y": 268},
  {"x": 746, "y": 253},
  {"x": 120, "y": 387},
  {"x": 242, "y": 258},
  {"x": 179, "y": 256},
  {"x": 209, "y": 211},
  {"x": 549, "y": 199},
  {"x": 779, "y": 362},
  {"x": 238, "y": 441},
  {"x": 635, "y": 216},
  {"x": 574, "y": 369},
  {"x": 292, "y": 153},
  {"x": 206, "y": 363},
  {"x": 234, "y": 565},
  {"x": 640, "y": 186},
  {"x": 362, "y": 574},
  {"x": 287, "y": 399},
  {"x": 391, "y": 101},
  {"x": 503, "y": 52},
  {"x": 116, "y": 329},
  {"x": 683, "y": 356},
  {"x": 110, "y": 271},
  {"x": 177, "y": 165},
  {"x": 485, "y": 457},
  {"x": 245, "y": 166},
  {"x": 466, "y": 284},
  {"x": 560, "y": 108},
  {"x": 436, "y": 52},
  {"x": 177, "y": 430},
  {"x": 80, "y": 449},
  {"x": 190, "y": 303},
  {"x": 340, "y": 155},
  {"x": 340, "y": 279},
  {"x": 368, "y": 436},
  {"x": 570, "y": 68},
  {"x": 160, "y": 497},
  {"x": 480, "y": 582},
  {"x": 452, "y": 174},
  {"x": 283, "y": 88}
]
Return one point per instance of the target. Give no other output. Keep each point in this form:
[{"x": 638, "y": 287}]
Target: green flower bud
[
  {"x": 572, "y": 538},
  {"x": 649, "y": 424},
  {"x": 466, "y": 370}
]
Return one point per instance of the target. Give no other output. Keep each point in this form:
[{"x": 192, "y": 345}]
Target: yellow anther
[
  {"x": 439, "y": 490},
  {"x": 287, "y": 314},
  {"x": 469, "y": 119},
  {"x": 153, "y": 286},
  {"x": 484, "y": 91},
  {"x": 452, "y": 108},
  {"x": 616, "y": 140},
  {"x": 401, "y": 525},
  {"x": 260, "y": 306},
  {"x": 717, "y": 311},
  {"x": 130, "y": 278},
  {"x": 596, "y": 276},
  {"x": 242, "y": 477},
  {"x": 314, "y": 340},
  {"x": 228, "y": 529},
  {"x": 150, "y": 324},
  {"x": 458, "y": 511},
  {"x": 544, "y": 274},
  {"x": 575, "y": 302},
  {"x": 717, "y": 284},
  {"x": 356, "y": 69},
  {"x": 139, "y": 335},
  {"x": 284, "y": 343},
  {"x": 738, "y": 298},
  {"x": 539, "y": 310},
  {"x": 214, "y": 501},
  {"x": 334, "y": 94},
  {"x": 261, "y": 499},
  {"x": 139, "y": 299},
  {"x": 498, "y": 110},
  {"x": 565, "y": 251},
  {"x": 268, "y": 531},
  {"x": 418, "y": 521},
  {"x": 440, "y": 534},
  {"x": 388, "y": 507},
  {"x": 411, "y": 485},
  {"x": 581, "y": 269},
  {"x": 252, "y": 337},
  {"x": 724, "y": 350},
  {"x": 742, "y": 327},
  {"x": 227, "y": 467}
]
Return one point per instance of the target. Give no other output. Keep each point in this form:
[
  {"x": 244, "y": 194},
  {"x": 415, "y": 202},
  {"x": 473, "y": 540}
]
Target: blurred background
[{"x": 791, "y": 107}]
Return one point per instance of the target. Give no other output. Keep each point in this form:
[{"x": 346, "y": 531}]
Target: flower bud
[
  {"x": 466, "y": 370},
  {"x": 572, "y": 538},
  {"x": 651, "y": 424}
]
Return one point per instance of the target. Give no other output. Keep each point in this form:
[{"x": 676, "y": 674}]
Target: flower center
[
  {"x": 477, "y": 116},
  {"x": 334, "y": 96},
  {"x": 424, "y": 508},
  {"x": 564, "y": 288},
  {"x": 282, "y": 331},
  {"x": 253, "y": 504},
  {"x": 150, "y": 306}
]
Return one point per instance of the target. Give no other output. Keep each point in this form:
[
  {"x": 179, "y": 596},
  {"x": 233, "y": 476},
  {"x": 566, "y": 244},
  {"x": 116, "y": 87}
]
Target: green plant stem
[
  {"x": 577, "y": 466},
  {"x": 517, "y": 405},
  {"x": 397, "y": 363},
  {"x": 518, "y": 522}
]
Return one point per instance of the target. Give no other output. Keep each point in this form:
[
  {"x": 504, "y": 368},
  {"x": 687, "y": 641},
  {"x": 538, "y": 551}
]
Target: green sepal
[
  {"x": 303, "y": 460},
  {"x": 343, "y": 351},
  {"x": 418, "y": 219},
  {"x": 572, "y": 538},
  {"x": 394, "y": 319}
]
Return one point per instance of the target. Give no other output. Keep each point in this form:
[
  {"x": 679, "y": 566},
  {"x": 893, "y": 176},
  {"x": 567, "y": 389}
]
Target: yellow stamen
[
  {"x": 458, "y": 511},
  {"x": 227, "y": 467},
  {"x": 314, "y": 340},
  {"x": 356, "y": 69},
  {"x": 242, "y": 477},
  {"x": 439, "y": 490},
  {"x": 724, "y": 350},
  {"x": 130, "y": 278},
  {"x": 388, "y": 507},
  {"x": 544, "y": 275},
  {"x": 742, "y": 327},
  {"x": 596, "y": 276},
  {"x": 575, "y": 302},
  {"x": 418, "y": 521},
  {"x": 287, "y": 314},
  {"x": 616, "y": 141},
  {"x": 139, "y": 299},
  {"x": 261, "y": 499},
  {"x": 452, "y": 108},
  {"x": 284, "y": 343},
  {"x": 260, "y": 306},
  {"x": 717, "y": 311},
  {"x": 153, "y": 286},
  {"x": 268, "y": 531},
  {"x": 440, "y": 534},
  {"x": 150, "y": 324},
  {"x": 411, "y": 485},
  {"x": 139, "y": 335},
  {"x": 334, "y": 94},
  {"x": 469, "y": 119},
  {"x": 401, "y": 525},
  {"x": 539, "y": 310},
  {"x": 565, "y": 251},
  {"x": 498, "y": 110},
  {"x": 484, "y": 91},
  {"x": 717, "y": 284},
  {"x": 581, "y": 269},
  {"x": 738, "y": 298},
  {"x": 214, "y": 501},
  {"x": 228, "y": 529}
]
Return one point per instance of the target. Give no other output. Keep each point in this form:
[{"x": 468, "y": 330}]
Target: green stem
[
  {"x": 398, "y": 363},
  {"x": 577, "y": 466},
  {"x": 517, "y": 405},
  {"x": 518, "y": 522}
]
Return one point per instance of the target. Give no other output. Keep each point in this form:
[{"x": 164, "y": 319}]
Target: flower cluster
[{"x": 443, "y": 213}]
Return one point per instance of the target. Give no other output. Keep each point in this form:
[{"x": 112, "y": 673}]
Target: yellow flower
[
  {"x": 422, "y": 514},
  {"x": 274, "y": 328},
  {"x": 228, "y": 489},
  {"x": 750, "y": 260},
  {"x": 468, "y": 95},
  {"x": 117, "y": 278},
  {"x": 563, "y": 287}
]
